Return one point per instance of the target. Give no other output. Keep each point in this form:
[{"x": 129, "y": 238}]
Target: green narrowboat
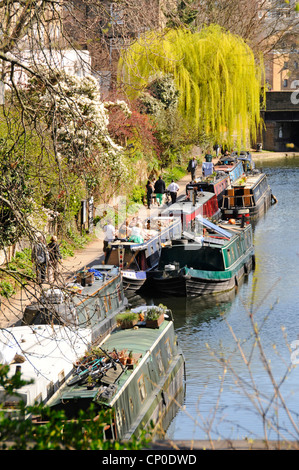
[
  {"x": 148, "y": 390},
  {"x": 212, "y": 263}
]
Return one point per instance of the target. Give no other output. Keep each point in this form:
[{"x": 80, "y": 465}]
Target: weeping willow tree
[{"x": 219, "y": 82}]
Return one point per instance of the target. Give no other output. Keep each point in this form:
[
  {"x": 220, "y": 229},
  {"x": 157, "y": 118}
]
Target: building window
[
  {"x": 295, "y": 65},
  {"x": 285, "y": 83},
  {"x": 116, "y": 13}
]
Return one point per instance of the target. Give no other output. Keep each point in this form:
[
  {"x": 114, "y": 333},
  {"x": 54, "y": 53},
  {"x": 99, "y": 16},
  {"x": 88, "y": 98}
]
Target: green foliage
[
  {"x": 138, "y": 194},
  {"x": 186, "y": 14},
  {"x": 86, "y": 432},
  {"x": 175, "y": 174},
  {"x": 127, "y": 316},
  {"x": 6, "y": 289},
  {"x": 214, "y": 71}
]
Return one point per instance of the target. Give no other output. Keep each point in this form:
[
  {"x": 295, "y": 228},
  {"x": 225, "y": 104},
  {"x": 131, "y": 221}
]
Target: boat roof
[
  {"x": 49, "y": 352},
  {"x": 216, "y": 228},
  {"x": 181, "y": 207},
  {"x": 251, "y": 180},
  {"x": 141, "y": 341}
]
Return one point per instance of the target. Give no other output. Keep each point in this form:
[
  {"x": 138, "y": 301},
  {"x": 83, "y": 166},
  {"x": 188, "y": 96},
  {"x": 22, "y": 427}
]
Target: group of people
[
  {"x": 46, "y": 258},
  {"x": 132, "y": 231},
  {"x": 158, "y": 188}
]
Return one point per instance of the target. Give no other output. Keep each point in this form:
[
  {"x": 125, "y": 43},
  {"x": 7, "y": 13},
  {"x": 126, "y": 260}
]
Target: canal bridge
[{"x": 281, "y": 118}]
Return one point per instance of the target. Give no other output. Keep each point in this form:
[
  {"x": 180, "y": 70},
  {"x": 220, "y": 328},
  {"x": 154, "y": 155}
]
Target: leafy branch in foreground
[{"x": 55, "y": 431}]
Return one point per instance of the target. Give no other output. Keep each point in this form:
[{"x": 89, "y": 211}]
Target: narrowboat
[
  {"x": 210, "y": 261},
  {"x": 250, "y": 196},
  {"x": 58, "y": 348},
  {"x": 246, "y": 158},
  {"x": 230, "y": 166},
  {"x": 143, "y": 380},
  {"x": 196, "y": 203},
  {"x": 215, "y": 183},
  {"x": 44, "y": 344},
  {"x": 135, "y": 259}
]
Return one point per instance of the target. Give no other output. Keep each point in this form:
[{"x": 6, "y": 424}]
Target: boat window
[
  {"x": 160, "y": 362},
  {"x": 109, "y": 302},
  {"x": 131, "y": 404},
  {"x": 118, "y": 418},
  {"x": 119, "y": 294},
  {"x": 205, "y": 258},
  {"x": 123, "y": 415},
  {"x": 105, "y": 304},
  {"x": 61, "y": 377},
  {"x": 142, "y": 388},
  {"x": 50, "y": 389},
  {"x": 168, "y": 349}
]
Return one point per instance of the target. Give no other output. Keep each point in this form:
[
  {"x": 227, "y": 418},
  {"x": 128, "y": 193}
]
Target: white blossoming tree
[{"x": 79, "y": 120}]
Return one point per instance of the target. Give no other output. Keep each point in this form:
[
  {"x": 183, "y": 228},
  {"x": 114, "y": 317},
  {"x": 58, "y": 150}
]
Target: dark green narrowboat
[{"x": 208, "y": 264}]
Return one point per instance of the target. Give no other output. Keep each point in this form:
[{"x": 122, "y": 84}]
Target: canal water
[{"x": 234, "y": 388}]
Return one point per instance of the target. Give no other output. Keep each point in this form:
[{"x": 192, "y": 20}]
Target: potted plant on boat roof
[
  {"x": 127, "y": 319},
  {"x": 155, "y": 316},
  {"x": 90, "y": 383}
]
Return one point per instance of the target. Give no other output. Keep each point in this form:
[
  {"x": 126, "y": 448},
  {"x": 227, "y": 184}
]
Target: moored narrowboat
[
  {"x": 147, "y": 390},
  {"x": 57, "y": 328},
  {"x": 231, "y": 166},
  {"x": 215, "y": 183},
  {"x": 196, "y": 203},
  {"x": 54, "y": 349},
  {"x": 250, "y": 196},
  {"x": 212, "y": 263},
  {"x": 136, "y": 258}
]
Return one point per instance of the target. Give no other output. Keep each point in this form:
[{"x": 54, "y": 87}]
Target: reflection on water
[{"x": 208, "y": 329}]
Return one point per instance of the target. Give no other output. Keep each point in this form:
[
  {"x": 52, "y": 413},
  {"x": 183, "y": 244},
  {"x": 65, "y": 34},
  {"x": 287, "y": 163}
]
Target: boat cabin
[
  {"x": 231, "y": 166},
  {"x": 201, "y": 203},
  {"x": 251, "y": 193},
  {"x": 215, "y": 184}
]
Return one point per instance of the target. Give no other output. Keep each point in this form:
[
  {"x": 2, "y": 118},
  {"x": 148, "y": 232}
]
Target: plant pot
[
  {"x": 155, "y": 323},
  {"x": 128, "y": 324}
]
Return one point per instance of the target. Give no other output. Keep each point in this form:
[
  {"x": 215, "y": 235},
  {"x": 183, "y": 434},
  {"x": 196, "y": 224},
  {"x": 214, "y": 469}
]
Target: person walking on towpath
[
  {"x": 54, "y": 258},
  {"x": 192, "y": 167},
  {"x": 159, "y": 190},
  {"x": 173, "y": 189},
  {"x": 149, "y": 193},
  {"x": 40, "y": 257},
  {"x": 110, "y": 233}
]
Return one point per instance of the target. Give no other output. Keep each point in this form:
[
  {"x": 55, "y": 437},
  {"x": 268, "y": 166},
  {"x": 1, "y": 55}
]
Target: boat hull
[
  {"x": 252, "y": 213},
  {"x": 192, "y": 285}
]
